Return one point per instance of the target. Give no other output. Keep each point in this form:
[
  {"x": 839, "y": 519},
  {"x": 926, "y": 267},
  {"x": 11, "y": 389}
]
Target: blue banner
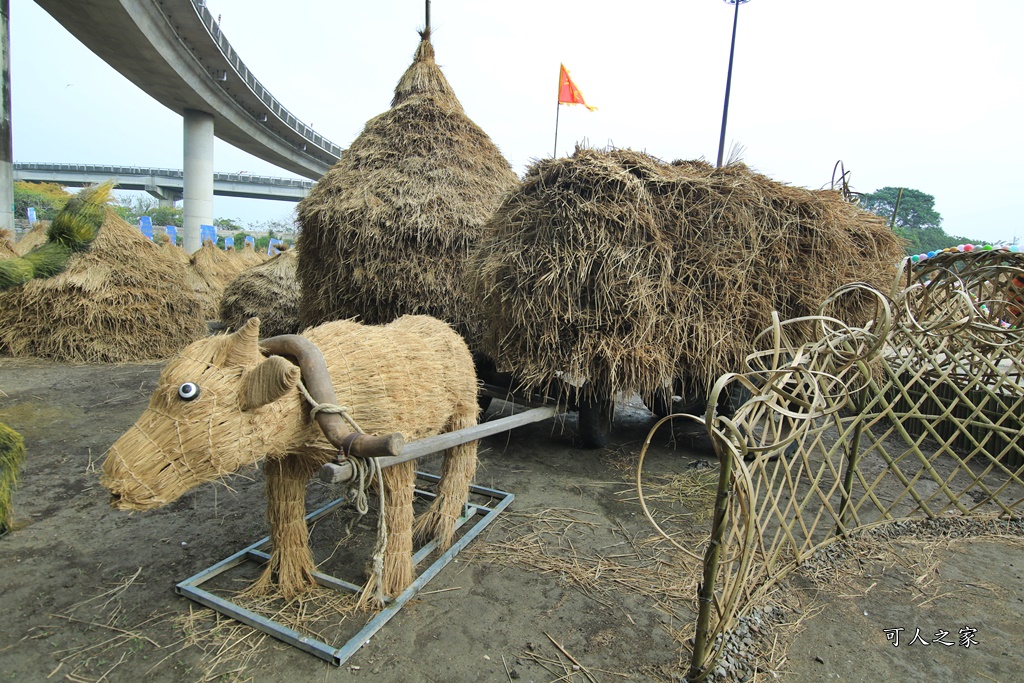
[
  {"x": 31, "y": 215},
  {"x": 207, "y": 233},
  {"x": 251, "y": 240},
  {"x": 146, "y": 225},
  {"x": 229, "y": 242},
  {"x": 172, "y": 233},
  {"x": 271, "y": 244}
]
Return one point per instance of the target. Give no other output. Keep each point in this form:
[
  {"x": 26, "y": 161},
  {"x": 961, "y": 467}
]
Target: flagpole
[{"x": 558, "y": 110}]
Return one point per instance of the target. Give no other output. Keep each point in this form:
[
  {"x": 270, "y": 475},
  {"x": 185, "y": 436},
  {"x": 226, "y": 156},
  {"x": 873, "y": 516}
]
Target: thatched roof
[
  {"x": 386, "y": 231},
  {"x": 270, "y": 292},
  {"x": 118, "y": 301},
  {"x": 620, "y": 269}
]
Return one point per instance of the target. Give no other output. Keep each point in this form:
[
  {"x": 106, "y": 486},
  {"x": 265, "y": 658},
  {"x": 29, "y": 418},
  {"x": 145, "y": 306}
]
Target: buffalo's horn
[
  {"x": 243, "y": 346},
  {"x": 317, "y": 380}
]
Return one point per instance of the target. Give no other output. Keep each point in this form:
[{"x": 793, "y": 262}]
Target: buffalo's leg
[
  {"x": 457, "y": 471},
  {"x": 399, "y": 487},
  {"x": 291, "y": 566}
]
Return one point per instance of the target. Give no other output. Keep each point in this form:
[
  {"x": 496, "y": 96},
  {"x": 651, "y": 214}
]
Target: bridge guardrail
[{"x": 257, "y": 88}]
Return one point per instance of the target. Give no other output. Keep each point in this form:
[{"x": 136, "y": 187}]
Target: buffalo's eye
[{"x": 189, "y": 391}]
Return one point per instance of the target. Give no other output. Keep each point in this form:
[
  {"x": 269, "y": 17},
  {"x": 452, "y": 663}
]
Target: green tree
[
  {"x": 47, "y": 199},
  {"x": 132, "y": 207},
  {"x": 167, "y": 215},
  {"x": 277, "y": 226},
  {"x": 226, "y": 224},
  {"x": 916, "y": 219},
  {"x": 916, "y": 209}
]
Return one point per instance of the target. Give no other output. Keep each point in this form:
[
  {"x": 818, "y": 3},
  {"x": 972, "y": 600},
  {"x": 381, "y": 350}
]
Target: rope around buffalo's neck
[
  {"x": 365, "y": 469},
  {"x": 356, "y": 489},
  {"x": 328, "y": 408}
]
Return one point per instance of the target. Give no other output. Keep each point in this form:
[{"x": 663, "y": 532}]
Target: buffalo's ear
[
  {"x": 267, "y": 382},
  {"x": 243, "y": 345}
]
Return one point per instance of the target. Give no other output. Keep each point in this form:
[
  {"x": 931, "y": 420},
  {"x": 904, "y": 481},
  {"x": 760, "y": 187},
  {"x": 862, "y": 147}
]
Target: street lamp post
[{"x": 728, "y": 78}]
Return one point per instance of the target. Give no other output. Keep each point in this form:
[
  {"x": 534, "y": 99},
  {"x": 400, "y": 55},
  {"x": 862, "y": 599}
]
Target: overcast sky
[{"x": 924, "y": 94}]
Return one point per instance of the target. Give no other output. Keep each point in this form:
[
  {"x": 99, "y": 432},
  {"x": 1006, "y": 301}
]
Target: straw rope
[
  {"x": 373, "y": 591},
  {"x": 916, "y": 411}
]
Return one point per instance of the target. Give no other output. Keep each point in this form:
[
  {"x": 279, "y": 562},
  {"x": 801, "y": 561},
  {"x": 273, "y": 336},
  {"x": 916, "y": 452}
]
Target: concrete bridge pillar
[
  {"x": 6, "y": 146},
  {"x": 198, "y": 181}
]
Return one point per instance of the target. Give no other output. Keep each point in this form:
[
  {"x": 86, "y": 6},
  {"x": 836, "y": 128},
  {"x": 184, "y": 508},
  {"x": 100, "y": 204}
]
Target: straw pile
[
  {"x": 247, "y": 254},
  {"x": 195, "y": 282},
  {"x": 118, "y": 301},
  {"x": 33, "y": 238},
  {"x": 174, "y": 253},
  {"x": 386, "y": 231},
  {"x": 270, "y": 292},
  {"x": 12, "y": 454},
  {"x": 216, "y": 266},
  {"x": 6, "y": 245},
  {"x": 617, "y": 268},
  {"x": 72, "y": 231}
]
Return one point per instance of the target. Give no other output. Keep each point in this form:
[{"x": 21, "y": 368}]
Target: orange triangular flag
[{"x": 568, "y": 93}]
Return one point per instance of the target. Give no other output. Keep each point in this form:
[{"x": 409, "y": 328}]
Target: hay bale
[
  {"x": 119, "y": 301},
  {"x": 249, "y": 256},
  {"x": 385, "y": 232},
  {"x": 270, "y": 292},
  {"x": 216, "y": 266},
  {"x": 33, "y": 238},
  {"x": 209, "y": 295},
  {"x": 633, "y": 274},
  {"x": 72, "y": 231},
  {"x": 6, "y": 248},
  {"x": 174, "y": 253},
  {"x": 12, "y": 454}
]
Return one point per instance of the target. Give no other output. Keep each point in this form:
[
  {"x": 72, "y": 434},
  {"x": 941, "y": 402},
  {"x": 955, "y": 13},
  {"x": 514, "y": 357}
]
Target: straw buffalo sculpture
[{"x": 221, "y": 405}]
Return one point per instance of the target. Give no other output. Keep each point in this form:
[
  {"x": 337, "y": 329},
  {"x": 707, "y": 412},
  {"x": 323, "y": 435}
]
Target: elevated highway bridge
[
  {"x": 175, "y": 51},
  {"x": 166, "y": 184}
]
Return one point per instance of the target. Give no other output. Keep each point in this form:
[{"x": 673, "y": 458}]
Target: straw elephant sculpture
[{"x": 221, "y": 405}]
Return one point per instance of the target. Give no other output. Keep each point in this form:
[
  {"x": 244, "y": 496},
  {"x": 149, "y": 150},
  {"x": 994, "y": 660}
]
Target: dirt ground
[{"x": 569, "y": 584}]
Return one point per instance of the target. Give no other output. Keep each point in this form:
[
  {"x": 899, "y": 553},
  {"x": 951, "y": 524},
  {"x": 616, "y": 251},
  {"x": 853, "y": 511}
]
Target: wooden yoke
[{"x": 317, "y": 380}]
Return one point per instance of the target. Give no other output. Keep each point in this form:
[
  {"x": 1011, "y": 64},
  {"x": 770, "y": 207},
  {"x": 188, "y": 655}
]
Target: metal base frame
[{"x": 190, "y": 587}]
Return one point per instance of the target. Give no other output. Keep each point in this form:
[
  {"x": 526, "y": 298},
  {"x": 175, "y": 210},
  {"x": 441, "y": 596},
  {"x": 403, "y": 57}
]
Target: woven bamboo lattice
[{"x": 915, "y": 413}]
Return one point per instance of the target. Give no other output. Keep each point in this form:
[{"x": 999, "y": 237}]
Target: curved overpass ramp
[{"x": 175, "y": 52}]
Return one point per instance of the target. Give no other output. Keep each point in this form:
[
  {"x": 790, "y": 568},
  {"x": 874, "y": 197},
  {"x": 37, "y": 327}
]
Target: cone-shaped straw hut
[
  {"x": 634, "y": 274},
  {"x": 386, "y": 231},
  {"x": 270, "y": 292},
  {"x": 114, "y": 298}
]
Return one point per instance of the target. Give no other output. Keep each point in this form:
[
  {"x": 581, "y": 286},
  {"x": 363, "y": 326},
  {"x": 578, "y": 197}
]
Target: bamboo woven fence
[{"x": 914, "y": 413}]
